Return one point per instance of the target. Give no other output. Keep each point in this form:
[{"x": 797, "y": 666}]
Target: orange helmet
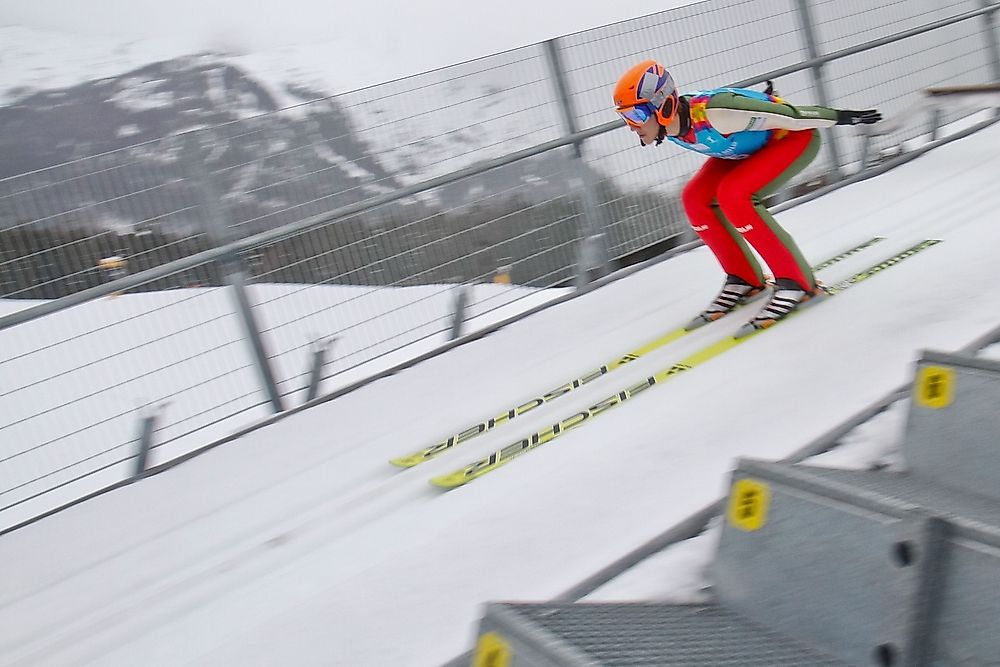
[{"x": 645, "y": 90}]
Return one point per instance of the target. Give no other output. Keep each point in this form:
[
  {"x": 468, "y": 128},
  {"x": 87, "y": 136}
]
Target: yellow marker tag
[
  {"x": 491, "y": 651},
  {"x": 935, "y": 387},
  {"x": 748, "y": 504}
]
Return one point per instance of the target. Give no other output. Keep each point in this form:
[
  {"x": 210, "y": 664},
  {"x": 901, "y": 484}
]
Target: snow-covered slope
[{"x": 299, "y": 544}]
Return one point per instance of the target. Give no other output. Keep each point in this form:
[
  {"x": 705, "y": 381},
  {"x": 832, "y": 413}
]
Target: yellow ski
[
  {"x": 510, "y": 452},
  {"x": 488, "y": 424}
]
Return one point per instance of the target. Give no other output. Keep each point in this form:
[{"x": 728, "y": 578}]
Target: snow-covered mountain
[
  {"x": 105, "y": 117},
  {"x": 281, "y": 139}
]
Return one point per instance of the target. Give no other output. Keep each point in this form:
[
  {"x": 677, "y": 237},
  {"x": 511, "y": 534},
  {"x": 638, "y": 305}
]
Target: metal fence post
[
  {"x": 460, "y": 302},
  {"x": 592, "y": 254},
  {"x": 990, "y": 23},
  {"x": 320, "y": 349},
  {"x": 232, "y": 268},
  {"x": 866, "y": 145},
  {"x": 146, "y": 428},
  {"x": 819, "y": 81},
  {"x": 935, "y": 121}
]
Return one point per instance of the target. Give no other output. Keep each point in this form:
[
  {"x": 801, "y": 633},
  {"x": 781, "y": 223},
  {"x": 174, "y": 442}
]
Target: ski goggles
[{"x": 638, "y": 114}]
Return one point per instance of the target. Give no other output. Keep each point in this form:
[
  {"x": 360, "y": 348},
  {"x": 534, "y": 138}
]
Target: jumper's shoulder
[{"x": 732, "y": 99}]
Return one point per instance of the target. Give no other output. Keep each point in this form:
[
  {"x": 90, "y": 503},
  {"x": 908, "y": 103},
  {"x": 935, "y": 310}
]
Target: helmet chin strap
[{"x": 661, "y": 135}]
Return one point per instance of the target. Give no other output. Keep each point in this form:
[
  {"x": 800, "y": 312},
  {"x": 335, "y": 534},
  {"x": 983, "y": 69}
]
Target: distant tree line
[
  {"x": 538, "y": 242},
  {"x": 47, "y": 263}
]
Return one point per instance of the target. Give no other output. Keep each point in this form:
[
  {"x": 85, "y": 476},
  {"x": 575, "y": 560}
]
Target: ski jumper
[{"x": 755, "y": 143}]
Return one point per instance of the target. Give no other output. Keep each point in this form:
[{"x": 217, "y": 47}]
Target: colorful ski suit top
[{"x": 735, "y": 123}]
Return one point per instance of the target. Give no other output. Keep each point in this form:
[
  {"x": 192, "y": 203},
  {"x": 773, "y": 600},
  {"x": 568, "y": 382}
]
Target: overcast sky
[{"x": 435, "y": 32}]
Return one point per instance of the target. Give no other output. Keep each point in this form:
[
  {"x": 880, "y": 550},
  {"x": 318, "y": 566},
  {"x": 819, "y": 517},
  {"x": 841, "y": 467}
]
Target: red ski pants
[{"x": 724, "y": 204}]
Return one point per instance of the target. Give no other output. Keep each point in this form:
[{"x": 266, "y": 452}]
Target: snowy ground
[
  {"x": 300, "y": 544},
  {"x": 74, "y": 385}
]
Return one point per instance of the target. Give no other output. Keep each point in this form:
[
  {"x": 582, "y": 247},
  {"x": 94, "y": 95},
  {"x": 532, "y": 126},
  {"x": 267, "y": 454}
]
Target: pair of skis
[{"x": 502, "y": 456}]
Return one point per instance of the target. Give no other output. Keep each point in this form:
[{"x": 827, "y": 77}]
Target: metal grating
[{"x": 640, "y": 634}]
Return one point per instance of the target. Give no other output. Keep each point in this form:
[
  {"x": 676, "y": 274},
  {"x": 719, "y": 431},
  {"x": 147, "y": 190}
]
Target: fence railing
[{"x": 187, "y": 281}]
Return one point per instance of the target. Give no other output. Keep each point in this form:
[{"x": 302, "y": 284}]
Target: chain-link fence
[{"x": 192, "y": 277}]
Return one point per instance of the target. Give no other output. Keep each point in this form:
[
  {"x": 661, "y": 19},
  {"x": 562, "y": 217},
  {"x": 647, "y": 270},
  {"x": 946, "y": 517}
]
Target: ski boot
[
  {"x": 787, "y": 297},
  {"x": 735, "y": 292}
]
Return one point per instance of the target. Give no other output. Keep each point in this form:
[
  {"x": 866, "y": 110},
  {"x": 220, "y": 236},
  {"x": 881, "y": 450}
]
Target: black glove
[{"x": 866, "y": 117}]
